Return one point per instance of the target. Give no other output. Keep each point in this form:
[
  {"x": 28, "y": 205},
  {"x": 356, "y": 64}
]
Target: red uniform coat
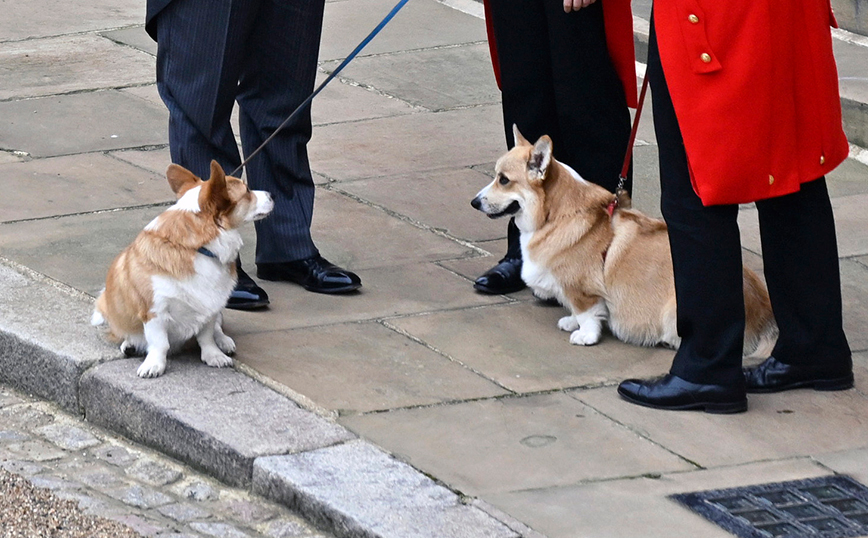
[
  {"x": 618, "y": 20},
  {"x": 755, "y": 90}
]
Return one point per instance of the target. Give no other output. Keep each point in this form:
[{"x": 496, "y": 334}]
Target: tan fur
[
  {"x": 599, "y": 265},
  {"x": 167, "y": 249}
]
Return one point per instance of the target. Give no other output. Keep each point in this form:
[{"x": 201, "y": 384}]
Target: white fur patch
[
  {"x": 226, "y": 245},
  {"x": 264, "y": 205},
  {"x": 186, "y": 305},
  {"x": 538, "y": 277},
  {"x": 590, "y": 325},
  {"x": 188, "y": 202},
  {"x": 153, "y": 225}
]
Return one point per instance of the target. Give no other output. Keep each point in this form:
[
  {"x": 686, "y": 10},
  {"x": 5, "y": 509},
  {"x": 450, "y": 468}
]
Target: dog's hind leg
[
  {"x": 158, "y": 346},
  {"x": 211, "y": 353}
]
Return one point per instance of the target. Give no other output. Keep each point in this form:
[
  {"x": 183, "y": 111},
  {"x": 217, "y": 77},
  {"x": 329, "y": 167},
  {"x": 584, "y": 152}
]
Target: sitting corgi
[
  {"x": 598, "y": 258},
  {"x": 172, "y": 282}
]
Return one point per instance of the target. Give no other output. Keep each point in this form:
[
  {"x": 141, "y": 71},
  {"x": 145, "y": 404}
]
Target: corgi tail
[
  {"x": 765, "y": 342},
  {"x": 98, "y": 318}
]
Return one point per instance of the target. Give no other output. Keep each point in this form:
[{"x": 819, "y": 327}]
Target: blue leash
[{"x": 334, "y": 73}]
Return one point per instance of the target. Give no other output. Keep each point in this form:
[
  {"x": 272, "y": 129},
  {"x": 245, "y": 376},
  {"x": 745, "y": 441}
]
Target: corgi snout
[
  {"x": 264, "y": 205},
  {"x": 494, "y": 210}
]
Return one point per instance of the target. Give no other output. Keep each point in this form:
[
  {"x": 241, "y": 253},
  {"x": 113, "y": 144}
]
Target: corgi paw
[
  {"x": 585, "y": 337},
  {"x": 152, "y": 367},
  {"x": 568, "y": 323},
  {"x": 216, "y": 358},
  {"x": 226, "y": 344}
]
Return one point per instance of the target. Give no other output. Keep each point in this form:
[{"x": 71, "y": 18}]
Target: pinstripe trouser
[{"x": 262, "y": 54}]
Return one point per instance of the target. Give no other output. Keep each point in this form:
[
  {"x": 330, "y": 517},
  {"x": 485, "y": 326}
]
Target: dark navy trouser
[{"x": 262, "y": 54}]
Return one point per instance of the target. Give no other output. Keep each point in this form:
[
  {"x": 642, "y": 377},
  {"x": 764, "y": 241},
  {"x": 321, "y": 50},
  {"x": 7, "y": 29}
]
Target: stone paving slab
[
  {"x": 778, "y": 426},
  {"x": 519, "y": 346},
  {"x": 385, "y": 293},
  {"x": 639, "y": 506},
  {"x": 46, "y": 341},
  {"x": 345, "y": 100},
  {"x": 347, "y": 23},
  {"x": 405, "y": 144},
  {"x": 75, "y": 250},
  {"x": 360, "y": 491},
  {"x": 25, "y": 19},
  {"x": 854, "y": 294},
  {"x": 436, "y": 79},
  {"x": 81, "y": 122},
  {"x": 100, "y": 182},
  {"x": 352, "y": 233},
  {"x": 379, "y": 369},
  {"x": 56, "y": 65},
  {"x": 135, "y": 37},
  {"x": 440, "y": 199},
  {"x": 513, "y": 444},
  {"x": 215, "y": 419}
]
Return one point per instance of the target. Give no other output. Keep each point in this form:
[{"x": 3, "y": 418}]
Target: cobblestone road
[{"x": 110, "y": 477}]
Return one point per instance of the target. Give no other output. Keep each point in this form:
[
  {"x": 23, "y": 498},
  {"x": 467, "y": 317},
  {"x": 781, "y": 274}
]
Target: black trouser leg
[
  {"x": 558, "y": 79},
  {"x": 706, "y": 256},
  {"x": 800, "y": 257}
]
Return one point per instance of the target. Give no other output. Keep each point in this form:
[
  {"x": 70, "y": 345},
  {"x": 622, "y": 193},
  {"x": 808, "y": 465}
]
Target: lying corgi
[
  {"x": 172, "y": 282},
  {"x": 598, "y": 258}
]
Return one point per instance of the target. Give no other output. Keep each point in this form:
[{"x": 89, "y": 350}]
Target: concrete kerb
[
  {"x": 222, "y": 422},
  {"x": 46, "y": 341}
]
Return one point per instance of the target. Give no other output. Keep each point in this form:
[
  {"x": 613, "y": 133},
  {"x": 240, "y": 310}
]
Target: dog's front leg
[
  {"x": 585, "y": 325},
  {"x": 226, "y": 344},
  {"x": 157, "y": 339},
  {"x": 211, "y": 353}
]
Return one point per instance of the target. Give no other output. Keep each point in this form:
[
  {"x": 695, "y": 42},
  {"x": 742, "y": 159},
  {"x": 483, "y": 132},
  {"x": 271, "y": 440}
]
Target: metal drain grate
[{"x": 827, "y": 507}]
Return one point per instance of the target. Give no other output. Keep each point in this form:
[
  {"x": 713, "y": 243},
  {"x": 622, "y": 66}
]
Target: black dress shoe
[
  {"x": 315, "y": 273},
  {"x": 247, "y": 295},
  {"x": 673, "y": 393},
  {"x": 505, "y": 277},
  {"x": 775, "y": 376}
]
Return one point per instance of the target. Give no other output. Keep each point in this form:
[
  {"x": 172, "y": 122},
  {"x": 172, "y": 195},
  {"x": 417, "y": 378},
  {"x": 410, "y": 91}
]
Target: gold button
[
  {"x": 693, "y": 18},
  {"x": 771, "y": 179},
  {"x": 705, "y": 57},
  {"x": 822, "y": 159}
]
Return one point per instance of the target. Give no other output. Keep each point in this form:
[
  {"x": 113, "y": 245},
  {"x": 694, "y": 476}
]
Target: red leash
[{"x": 622, "y": 179}]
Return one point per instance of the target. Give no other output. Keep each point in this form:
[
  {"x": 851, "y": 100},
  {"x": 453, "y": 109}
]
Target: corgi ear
[
  {"x": 214, "y": 197},
  {"x": 540, "y": 159},
  {"x": 180, "y": 179},
  {"x": 517, "y": 137}
]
